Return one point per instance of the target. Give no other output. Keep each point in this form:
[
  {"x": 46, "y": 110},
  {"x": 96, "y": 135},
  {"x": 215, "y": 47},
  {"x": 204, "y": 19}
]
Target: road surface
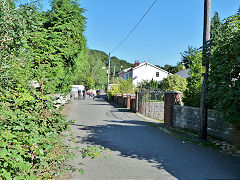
[{"x": 140, "y": 151}]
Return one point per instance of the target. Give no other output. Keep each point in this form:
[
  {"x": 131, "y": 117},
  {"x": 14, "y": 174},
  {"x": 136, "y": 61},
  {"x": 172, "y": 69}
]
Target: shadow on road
[{"x": 135, "y": 139}]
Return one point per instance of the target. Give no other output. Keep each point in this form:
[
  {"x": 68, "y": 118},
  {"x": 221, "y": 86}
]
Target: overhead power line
[
  {"x": 134, "y": 27},
  {"x": 157, "y": 58}
]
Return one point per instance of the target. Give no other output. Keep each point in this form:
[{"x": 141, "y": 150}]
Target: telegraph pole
[
  {"x": 205, "y": 69},
  {"x": 113, "y": 73},
  {"x": 109, "y": 59}
]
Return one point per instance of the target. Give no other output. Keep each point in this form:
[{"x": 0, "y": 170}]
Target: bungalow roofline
[{"x": 140, "y": 65}]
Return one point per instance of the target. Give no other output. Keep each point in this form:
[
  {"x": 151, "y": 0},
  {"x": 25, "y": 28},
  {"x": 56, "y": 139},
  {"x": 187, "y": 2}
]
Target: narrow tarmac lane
[{"x": 140, "y": 151}]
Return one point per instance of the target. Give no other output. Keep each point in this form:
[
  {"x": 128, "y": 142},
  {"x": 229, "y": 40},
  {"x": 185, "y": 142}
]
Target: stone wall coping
[
  {"x": 190, "y": 107},
  {"x": 211, "y": 110},
  {"x": 173, "y": 92},
  {"x": 155, "y": 102}
]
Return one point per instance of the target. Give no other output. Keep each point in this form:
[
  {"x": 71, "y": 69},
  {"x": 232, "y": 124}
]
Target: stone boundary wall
[
  {"x": 187, "y": 117},
  {"x": 154, "y": 110},
  {"x": 150, "y": 109},
  {"x": 179, "y": 116}
]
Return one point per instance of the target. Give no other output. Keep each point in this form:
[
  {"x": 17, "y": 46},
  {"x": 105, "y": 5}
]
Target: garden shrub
[
  {"x": 122, "y": 87},
  {"x": 173, "y": 83},
  {"x": 148, "y": 85}
]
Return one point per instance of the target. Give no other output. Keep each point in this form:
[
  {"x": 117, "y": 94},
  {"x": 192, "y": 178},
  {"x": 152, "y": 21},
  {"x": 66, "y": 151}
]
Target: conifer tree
[{"x": 216, "y": 26}]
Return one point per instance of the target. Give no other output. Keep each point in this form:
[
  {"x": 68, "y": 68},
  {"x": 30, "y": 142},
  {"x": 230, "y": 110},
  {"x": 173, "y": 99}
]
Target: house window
[{"x": 157, "y": 74}]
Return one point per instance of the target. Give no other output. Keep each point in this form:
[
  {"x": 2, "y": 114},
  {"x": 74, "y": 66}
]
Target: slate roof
[{"x": 183, "y": 73}]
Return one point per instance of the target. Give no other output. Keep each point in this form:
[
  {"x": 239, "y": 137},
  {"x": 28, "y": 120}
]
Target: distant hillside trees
[{"x": 96, "y": 68}]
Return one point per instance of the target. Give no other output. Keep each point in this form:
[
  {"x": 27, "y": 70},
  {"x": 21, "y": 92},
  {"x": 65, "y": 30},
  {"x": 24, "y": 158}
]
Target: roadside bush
[
  {"x": 173, "y": 83},
  {"x": 32, "y": 145}
]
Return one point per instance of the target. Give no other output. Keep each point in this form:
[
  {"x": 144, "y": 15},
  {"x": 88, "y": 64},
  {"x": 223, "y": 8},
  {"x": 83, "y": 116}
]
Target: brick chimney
[{"x": 136, "y": 63}]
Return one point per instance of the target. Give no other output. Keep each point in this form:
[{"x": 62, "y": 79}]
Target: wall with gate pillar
[{"x": 170, "y": 98}]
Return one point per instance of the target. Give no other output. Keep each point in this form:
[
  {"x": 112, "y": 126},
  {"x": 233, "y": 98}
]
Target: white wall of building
[{"x": 147, "y": 72}]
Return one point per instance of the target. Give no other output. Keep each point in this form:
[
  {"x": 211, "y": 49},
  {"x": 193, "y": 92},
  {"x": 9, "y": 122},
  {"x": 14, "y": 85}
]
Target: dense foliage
[
  {"x": 192, "y": 58},
  {"x": 224, "y": 82},
  {"x": 173, "y": 83},
  {"x": 90, "y": 84},
  {"x": 224, "y": 71},
  {"x": 44, "y": 47},
  {"x": 93, "y": 75}
]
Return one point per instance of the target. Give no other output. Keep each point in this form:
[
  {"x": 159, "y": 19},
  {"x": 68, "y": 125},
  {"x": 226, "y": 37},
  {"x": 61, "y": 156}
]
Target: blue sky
[{"x": 166, "y": 31}]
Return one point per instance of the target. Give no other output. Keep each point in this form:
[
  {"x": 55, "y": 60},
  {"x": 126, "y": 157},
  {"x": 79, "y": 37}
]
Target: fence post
[
  {"x": 129, "y": 101},
  {"x": 136, "y": 110},
  {"x": 170, "y": 98}
]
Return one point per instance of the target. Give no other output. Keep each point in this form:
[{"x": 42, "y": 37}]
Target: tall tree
[
  {"x": 188, "y": 55},
  {"x": 216, "y": 25},
  {"x": 67, "y": 44},
  {"x": 224, "y": 84}
]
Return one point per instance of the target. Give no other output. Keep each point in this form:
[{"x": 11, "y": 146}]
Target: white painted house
[{"x": 143, "y": 71}]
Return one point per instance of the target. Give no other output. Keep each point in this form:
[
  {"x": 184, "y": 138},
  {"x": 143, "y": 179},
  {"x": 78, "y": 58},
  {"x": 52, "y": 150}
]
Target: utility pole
[
  {"x": 113, "y": 73},
  {"x": 205, "y": 69},
  {"x": 109, "y": 59}
]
